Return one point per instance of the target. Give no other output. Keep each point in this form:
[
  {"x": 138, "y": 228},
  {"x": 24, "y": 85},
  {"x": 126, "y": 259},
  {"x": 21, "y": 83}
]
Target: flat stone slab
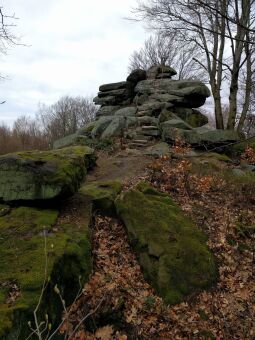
[
  {"x": 42, "y": 175},
  {"x": 114, "y": 86}
]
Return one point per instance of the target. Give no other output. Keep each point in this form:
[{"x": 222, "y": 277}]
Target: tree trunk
[
  {"x": 248, "y": 84},
  {"x": 217, "y": 109}
]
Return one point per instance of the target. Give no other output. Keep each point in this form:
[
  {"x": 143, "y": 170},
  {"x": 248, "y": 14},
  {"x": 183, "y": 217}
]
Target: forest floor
[{"x": 117, "y": 303}]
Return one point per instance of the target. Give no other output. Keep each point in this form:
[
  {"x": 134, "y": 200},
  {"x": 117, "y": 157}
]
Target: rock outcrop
[
  {"x": 170, "y": 248},
  {"x": 149, "y": 106},
  {"x": 42, "y": 175},
  {"x": 26, "y": 234},
  {"x": 136, "y": 108}
]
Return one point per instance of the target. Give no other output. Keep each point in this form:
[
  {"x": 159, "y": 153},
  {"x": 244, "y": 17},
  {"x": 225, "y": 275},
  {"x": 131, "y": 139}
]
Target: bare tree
[
  {"x": 66, "y": 116},
  {"x": 221, "y": 31},
  {"x": 162, "y": 49},
  {"x": 7, "y": 37}
]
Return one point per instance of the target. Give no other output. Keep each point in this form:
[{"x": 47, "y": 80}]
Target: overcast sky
[{"x": 73, "y": 46}]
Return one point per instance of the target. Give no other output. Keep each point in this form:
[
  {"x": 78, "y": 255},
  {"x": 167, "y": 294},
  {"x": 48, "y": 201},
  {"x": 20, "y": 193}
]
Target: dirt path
[{"x": 122, "y": 166}]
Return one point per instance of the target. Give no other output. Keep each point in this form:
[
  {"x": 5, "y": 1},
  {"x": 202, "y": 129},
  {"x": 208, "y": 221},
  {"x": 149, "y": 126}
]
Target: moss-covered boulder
[
  {"x": 172, "y": 251},
  {"x": 29, "y": 236},
  {"x": 236, "y": 150},
  {"x": 40, "y": 175},
  {"x": 103, "y": 195}
]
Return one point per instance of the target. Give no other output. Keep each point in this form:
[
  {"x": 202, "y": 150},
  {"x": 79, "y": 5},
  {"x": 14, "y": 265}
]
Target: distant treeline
[{"x": 50, "y": 123}]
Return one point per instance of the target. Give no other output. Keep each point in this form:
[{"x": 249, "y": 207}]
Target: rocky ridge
[{"x": 151, "y": 106}]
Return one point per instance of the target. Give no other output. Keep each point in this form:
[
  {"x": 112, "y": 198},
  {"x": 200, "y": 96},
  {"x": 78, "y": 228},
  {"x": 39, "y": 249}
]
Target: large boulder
[
  {"x": 172, "y": 251},
  {"x": 158, "y": 150},
  {"x": 175, "y": 123},
  {"x": 201, "y": 137},
  {"x": 114, "y": 94},
  {"x": 191, "y": 116},
  {"x": 160, "y": 71},
  {"x": 102, "y": 195},
  {"x": 118, "y": 126},
  {"x": 113, "y": 86},
  {"x": 184, "y": 93},
  {"x": 27, "y": 234},
  {"x": 100, "y": 126},
  {"x": 42, "y": 175},
  {"x": 126, "y": 111},
  {"x": 136, "y": 76},
  {"x": 114, "y": 129},
  {"x": 107, "y": 110}
]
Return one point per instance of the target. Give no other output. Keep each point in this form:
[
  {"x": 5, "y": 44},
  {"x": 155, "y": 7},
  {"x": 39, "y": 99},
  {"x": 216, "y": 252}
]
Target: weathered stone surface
[
  {"x": 172, "y": 251},
  {"x": 163, "y": 76},
  {"x": 186, "y": 93},
  {"x": 121, "y": 93},
  {"x": 114, "y": 98},
  {"x": 165, "y": 69},
  {"x": 86, "y": 130},
  {"x": 191, "y": 116},
  {"x": 152, "y": 72},
  {"x": 175, "y": 123},
  {"x": 153, "y": 133},
  {"x": 166, "y": 115},
  {"x": 102, "y": 195},
  {"x": 238, "y": 149},
  {"x": 41, "y": 175},
  {"x": 140, "y": 99},
  {"x": 107, "y": 110},
  {"x": 113, "y": 86},
  {"x": 158, "y": 150},
  {"x": 201, "y": 137},
  {"x": 153, "y": 107},
  {"x": 100, "y": 125},
  {"x": 24, "y": 231},
  {"x": 136, "y": 76},
  {"x": 127, "y": 111},
  {"x": 114, "y": 129},
  {"x": 117, "y": 126},
  {"x": 65, "y": 141},
  {"x": 147, "y": 120},
  {"x": 160, "y": 72},
  {"x": 197, "y": 119}
]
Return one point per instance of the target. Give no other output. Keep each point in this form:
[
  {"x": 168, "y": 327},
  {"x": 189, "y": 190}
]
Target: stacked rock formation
[
  {"x": 148, "y": 105},
  {"x": 151, "y": 105}
]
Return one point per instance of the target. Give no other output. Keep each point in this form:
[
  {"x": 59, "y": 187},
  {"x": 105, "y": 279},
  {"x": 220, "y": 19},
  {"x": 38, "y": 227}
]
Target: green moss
[
  {"x": 217, "y": 156},
  {"x": 171, "y": 249},
  {"x": 24, "y": 232},
  {"x": 43, "y": 174},
  {"x": 196, "y": 120},
  {"x": 103, "y": 195},
  {"x": 237, "y": 149},
  {"x": 4, "y": 209}
]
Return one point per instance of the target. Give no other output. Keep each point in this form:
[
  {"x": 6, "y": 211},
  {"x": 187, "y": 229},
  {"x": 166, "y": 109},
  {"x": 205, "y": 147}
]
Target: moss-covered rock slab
[
  {"x": 41, "y": 175},
  {"x": 172, "y": 251},
  {"x": 237, "y": 149},
  {"x": 29, "y": 236},
  {"x": 103, "y": 195}
]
